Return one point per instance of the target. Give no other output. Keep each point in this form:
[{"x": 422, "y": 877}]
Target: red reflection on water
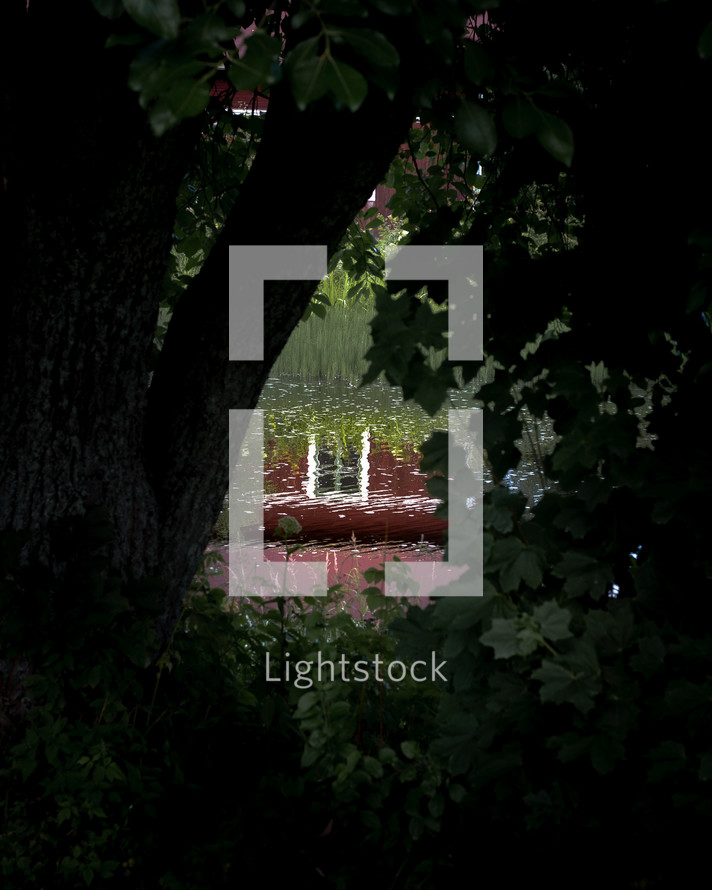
[
  {"x": 357, "y": 511},
  {"x": 373, "y": 497}
]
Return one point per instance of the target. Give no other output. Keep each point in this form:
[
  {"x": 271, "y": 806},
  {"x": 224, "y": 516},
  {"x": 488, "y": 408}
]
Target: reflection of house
[
  {"x": 367, "y": 491},
  {"x": 331, "y": 472}
]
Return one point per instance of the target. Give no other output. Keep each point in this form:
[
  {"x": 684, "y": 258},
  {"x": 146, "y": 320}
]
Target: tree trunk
[{"x": 89, "y": 207}]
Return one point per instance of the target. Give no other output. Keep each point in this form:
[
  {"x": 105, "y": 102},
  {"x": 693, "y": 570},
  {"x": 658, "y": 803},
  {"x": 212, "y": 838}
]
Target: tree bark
[{"x": 88, "y": 208}]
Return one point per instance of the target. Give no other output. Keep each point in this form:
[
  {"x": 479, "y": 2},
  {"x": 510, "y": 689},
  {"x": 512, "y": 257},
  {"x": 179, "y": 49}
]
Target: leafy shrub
[{"x": 189, "y": 769}]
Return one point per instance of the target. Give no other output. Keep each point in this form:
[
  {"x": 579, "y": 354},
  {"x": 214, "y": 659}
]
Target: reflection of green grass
[{"x": 338, "y": 416}]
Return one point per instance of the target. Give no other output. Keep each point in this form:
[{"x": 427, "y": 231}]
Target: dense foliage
[
  {"x": 572, "y": 741},
  {"x": 191, "y": 771}
]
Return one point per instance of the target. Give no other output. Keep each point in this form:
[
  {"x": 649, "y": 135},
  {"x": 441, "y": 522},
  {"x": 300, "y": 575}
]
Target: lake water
[{"x": 344, "y": 462}]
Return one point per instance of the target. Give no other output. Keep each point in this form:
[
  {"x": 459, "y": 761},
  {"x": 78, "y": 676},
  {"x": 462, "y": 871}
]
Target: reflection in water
[
  {"x": 342, "y": 494},
  {"x": 331, "y": 472},
  {"x": 344, "y": 462}
]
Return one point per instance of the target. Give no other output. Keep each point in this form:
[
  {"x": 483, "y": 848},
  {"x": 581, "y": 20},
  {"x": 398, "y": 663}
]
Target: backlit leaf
[
  {"x": 258, "y": 67},
  {"x": 372, "y": 46},
  {"x": 161, "y": 17},
  {"x": 346, "y": 83}
]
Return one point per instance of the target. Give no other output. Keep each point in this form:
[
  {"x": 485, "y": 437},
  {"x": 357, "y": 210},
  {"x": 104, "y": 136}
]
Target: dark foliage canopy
[{"x": 571, "y": 141}]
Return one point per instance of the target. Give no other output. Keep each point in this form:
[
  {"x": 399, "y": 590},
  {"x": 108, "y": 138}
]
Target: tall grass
[
  {"x": 329, "y": 348},
  {"x": 333, "y": 347}
]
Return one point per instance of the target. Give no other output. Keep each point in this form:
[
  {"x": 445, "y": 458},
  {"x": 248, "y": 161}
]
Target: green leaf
[
  {"x": 308, "y": 700},
  {"x": 651, "y": 656},
  {"x": 373, "y": 767},
  {"x": 184, "y": 99},
  {"x": 374, "y": 575},
  {"x": 667, "y": 759},
  {"x": 310, "y": 756},
  {"x": 584, "y": 574},
  {"x": 157, "y": 75},
  {"x": 435, "y": 452},
  {"x": 502, "y": 637},
  {"x": 161, "y": 17},
  {"x": 436, "y": 806},
  {"x": 393, "y": 7},
  {"x": 110, "y": 9},
  {"x": 288, "y": 526},
  {"x": 346, "y": 83},
  {"x": 500, "y": 432},
  {"x": 553, "y": 620},
  {"x": 478, "y": 67},
  {"x": 556, "y": 137},
  {"x": 504, "y": 552},
  {"x": 258, "y": 67},
  {"x": 457, "y": 793},
  {"x": 498, "y": 510},
  {"x": 494, "y": 766},
  {"x": 236, "y": 7},
  {"x": 342, "y": 7},
  {"x": 307, "y": 73},
  {"x": 371, "y": 820},
  {"x": 612, "y": 631},
  {"x": 409, "y": 749},
  {"x": 704, "y": 45},
  {"x": 475, "y": 129},
  {"x": 388, "y": 755},
  {"x": 430, "y": 393},
  {"x": 527, "y": 567},
  {"x": 602, "y": 750},
  {"x": 705, "y": 771},
  {"x": 437, "y": 487},
  {"x": 372, "y": 46},
  {"x": 576, "y": 680},
  {"x": 520, "y": 118},
  {"x": 207, "y": 32},
  {"x": 697, "y": 298},
  {"x": 416, "y": 827}
]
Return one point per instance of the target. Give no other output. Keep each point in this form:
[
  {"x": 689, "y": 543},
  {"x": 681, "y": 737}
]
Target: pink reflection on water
[{"x": 345, "y": 566}]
